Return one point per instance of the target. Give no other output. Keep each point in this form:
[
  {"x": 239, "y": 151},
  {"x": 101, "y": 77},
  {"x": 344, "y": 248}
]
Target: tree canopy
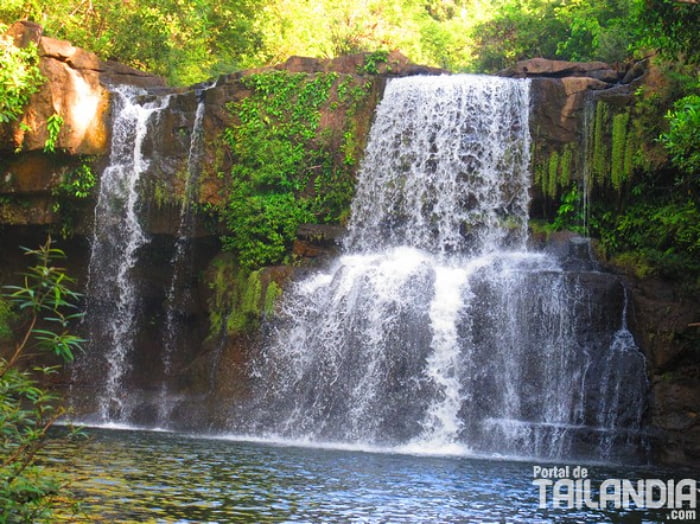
[{"x": 189, "y": 41}]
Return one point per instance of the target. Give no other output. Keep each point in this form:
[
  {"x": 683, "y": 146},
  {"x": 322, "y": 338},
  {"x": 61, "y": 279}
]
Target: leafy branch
[
  {"x": 53, "y": 128},
  {"x": 47, "y": 307}
]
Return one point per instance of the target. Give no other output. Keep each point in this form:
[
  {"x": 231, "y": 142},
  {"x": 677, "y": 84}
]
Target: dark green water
[{"x": 138, "y": 476}]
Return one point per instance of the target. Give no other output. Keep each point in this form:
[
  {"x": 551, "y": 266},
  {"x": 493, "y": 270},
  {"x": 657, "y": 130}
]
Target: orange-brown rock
[{"x": 74, "y": 90}]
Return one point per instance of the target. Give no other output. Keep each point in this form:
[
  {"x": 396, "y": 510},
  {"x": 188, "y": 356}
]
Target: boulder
[
  {"x": 395, "y": 64},
  {"x": 75, "y": 90},
  {"x": 543, "y": 67}
]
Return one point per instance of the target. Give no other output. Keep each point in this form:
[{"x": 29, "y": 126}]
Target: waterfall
[
  {"x": 178, "y": 291},
  {"x": 438, "y": 179},
  {"x": 437, "y": 331},
  {"x": 117, "y": 237},
  {"x": 587, "y": 160}
]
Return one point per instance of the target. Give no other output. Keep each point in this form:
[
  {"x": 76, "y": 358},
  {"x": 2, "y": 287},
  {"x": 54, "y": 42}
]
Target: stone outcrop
[
  {"x": 394, "y": 65},
  {"x": 663, "y": 319},
  {"x": 666, "y": 322},
  {"x": 75, "y": 90},
  {"x": 543, "y": 67},
  {"x": 562, "y": 92}
]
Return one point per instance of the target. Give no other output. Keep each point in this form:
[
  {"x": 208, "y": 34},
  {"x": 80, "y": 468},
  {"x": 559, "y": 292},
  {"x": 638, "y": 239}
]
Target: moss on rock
[{"x": 240, "y": 298}]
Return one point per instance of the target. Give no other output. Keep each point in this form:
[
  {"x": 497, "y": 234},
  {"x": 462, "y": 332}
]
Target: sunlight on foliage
[
  {"x": 19, "y": 77},
  {"x": 682, "y": 141}
]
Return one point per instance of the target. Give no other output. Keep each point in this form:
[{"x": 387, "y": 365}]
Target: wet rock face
[
  {"x": 74, "y": 90},
  {"x": 559, "y": 94},
  {"x": 666, "y": 325}
]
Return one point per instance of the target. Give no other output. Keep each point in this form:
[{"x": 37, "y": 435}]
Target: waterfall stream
[
  {"x": 179, "y": 288},
  {"x": 117, "y": 237},
  {"x": 437, "y": 331}
]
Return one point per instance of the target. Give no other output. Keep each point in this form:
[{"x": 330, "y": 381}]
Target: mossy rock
[{"x": 240, "y": 298}]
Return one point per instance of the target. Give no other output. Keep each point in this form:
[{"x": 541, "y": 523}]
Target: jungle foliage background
[
  {"x": 190, "y": 40},
  {"x": 650, "y": 222}
]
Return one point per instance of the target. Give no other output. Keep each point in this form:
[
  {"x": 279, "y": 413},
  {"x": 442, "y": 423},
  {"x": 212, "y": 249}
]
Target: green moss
[
  {"x": 630, "y": 154},
  {"x": 566, "y": 166},
  {"x": 540, "y": 227},
  {"x": 634, "y": 263},
  {"x": 540, "y": 175},
  {"x": 272, "y": 293},
  {"x": 618, "y": 171},
  {"x": 600, "y": 162},
  {"x": 552, "y": 174},
  {"x": 613, "y": 154},
  {"x": 240, "y": 298}
]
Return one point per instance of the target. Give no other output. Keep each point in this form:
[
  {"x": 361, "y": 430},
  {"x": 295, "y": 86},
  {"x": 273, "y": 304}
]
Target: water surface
[{"x": 140, "y": 476}]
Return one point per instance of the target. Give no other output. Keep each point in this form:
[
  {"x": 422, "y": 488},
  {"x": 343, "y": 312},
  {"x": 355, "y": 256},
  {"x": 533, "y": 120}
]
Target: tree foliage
[
  {"x": 186, "y": 41},
  {"x": 45, "y": 307},
  {"x": 682, "y": 140},
  {"x": 670, "y": 26},
  {"x": 20, "y": 77},
  {"x": 189, "y": 41}
]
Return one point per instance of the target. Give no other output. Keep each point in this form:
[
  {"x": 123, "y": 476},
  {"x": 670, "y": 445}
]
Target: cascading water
[
  {"x": 117, "y": 237},
  {"x": 446, "y": 168},
  {"x": 179, "y": 288},
  {"x": 437, "y": 331}
]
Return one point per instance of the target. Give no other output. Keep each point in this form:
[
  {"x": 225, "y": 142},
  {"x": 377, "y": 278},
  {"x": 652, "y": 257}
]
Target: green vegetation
[
  {"x": 74, "y": 185},
  {"x": 661, "y": 234},
  {"x": 553, "y": 172},
  {"x": 284, "y": 173},
  {"x": 240, "y": 298},
  {"x": 669, "y": 26},
  {"x": 372, "y": 61},
  {"x": 682, "y": 139},
  {"x": 44, "y": 308},
  {"x": 19, "y": 76},
  {"x": 644, "y": 169},
  {"x": 53, "y": 128},
  {"x": 644, "y": 211},
  {"x": 190, "y": 41},
  {"x": 185, "y": 41}
]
